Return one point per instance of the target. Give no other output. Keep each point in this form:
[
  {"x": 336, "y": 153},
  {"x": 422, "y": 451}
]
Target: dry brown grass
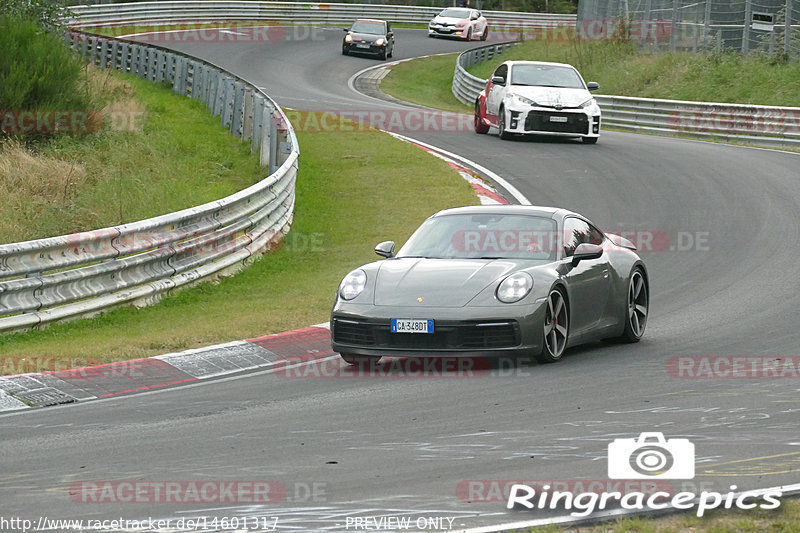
[{"x": 31, "y": 185}]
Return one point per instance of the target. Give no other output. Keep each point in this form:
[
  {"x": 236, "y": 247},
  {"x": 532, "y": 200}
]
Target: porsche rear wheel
[
  {"x": 556, "y": 328},
  {"x": 480, "y": 126},
  {"x": 360, "y": 360},
  {"x": 637, "y": 306}
]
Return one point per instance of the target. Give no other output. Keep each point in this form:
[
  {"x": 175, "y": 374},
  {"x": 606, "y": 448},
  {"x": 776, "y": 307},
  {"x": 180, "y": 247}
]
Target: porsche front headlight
[
  {"x": 515, "y": 287},
  {"x": 353, "y": 284}
]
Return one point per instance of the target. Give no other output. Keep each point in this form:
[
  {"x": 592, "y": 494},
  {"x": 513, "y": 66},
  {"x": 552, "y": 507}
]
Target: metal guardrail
[
  {"x": 466, "y": 86},
  {"x": 81, "y": 274},
  {"x": 770, "y": 126},
  {"x": 292, "y": 12}
]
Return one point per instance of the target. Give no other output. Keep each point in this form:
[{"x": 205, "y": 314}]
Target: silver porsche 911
[{"x": 492, "y": 280}]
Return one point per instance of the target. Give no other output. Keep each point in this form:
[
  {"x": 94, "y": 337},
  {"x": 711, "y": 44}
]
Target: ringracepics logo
[
  {"x": 647, "y": 457},
  {"x": 650, "y": 456}
]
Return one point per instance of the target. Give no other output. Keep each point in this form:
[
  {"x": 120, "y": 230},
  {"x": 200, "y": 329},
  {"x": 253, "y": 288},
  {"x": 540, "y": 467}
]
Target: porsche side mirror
[
  {"x": 385, "y": 249},
  {"x": 586, "y": 251},
  {"x": 592, "y": 85},
  {"x": 498, "y": 80}
]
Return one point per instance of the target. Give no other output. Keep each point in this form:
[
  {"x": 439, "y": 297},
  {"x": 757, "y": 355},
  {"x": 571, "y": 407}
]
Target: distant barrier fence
[
  {"x": 156, "y": 13},
  {"x": 770, "y": 126},
  {"x": 82, "y": 274}
]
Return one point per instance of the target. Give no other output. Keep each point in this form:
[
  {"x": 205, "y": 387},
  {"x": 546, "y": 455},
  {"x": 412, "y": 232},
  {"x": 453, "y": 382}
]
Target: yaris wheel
[
  {"x": 637, "y": 307},
  {"x": 556, "y": 328},
  {"x": 501, "y": 125}
]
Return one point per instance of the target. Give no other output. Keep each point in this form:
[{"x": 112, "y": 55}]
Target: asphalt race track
[{"x": 723, "y": 271}]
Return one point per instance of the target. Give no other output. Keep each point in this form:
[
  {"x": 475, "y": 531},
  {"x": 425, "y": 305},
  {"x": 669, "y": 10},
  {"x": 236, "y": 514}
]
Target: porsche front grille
[{"x": 466, "y": 335}]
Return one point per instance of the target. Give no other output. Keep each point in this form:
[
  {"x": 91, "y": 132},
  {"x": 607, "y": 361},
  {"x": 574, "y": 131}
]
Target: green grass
[
  {"x": 350, "y": 196},
  {"x": 426, "y": 82},
  {"x": 621, "y": 70},
  {"x": 157, "y": 152}
]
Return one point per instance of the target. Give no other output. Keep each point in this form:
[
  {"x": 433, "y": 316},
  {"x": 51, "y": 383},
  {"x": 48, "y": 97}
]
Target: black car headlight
[{"x": 515, "y": 287}]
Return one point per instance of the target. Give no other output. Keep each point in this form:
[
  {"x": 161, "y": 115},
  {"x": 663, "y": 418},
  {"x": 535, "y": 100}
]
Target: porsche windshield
[
  {"x": 484, "y": 236},
  {"x": 546, "y": 76}
]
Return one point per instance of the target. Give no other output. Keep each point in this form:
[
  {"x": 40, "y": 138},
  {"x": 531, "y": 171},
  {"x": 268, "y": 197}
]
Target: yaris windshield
[
  {"x": 546, "y": 76},
  {"x": 484, "y": 236}
]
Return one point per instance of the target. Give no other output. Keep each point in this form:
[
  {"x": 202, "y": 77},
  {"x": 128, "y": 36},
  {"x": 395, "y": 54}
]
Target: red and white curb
[{"x": 41, "y": 389}]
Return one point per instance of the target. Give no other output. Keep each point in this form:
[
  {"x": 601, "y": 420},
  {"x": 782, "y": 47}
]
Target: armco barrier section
[
  {"x": 293, "y": 12},
  {"x": 770, "y": 126},
  {"x": 56, "y": 278}
]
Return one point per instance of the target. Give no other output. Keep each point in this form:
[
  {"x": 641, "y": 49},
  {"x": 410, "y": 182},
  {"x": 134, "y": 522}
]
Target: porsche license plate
[
  {"x": 555, "y": 118},
  {"x": 406, "y": 325}
]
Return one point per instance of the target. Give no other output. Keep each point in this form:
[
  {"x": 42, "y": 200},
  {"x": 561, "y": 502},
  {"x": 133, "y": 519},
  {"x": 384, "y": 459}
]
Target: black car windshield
[
  {"x": 374, "y": 28},
  {"x": 455, "y": 13},
  {"x": 484, "y": 236},
  {"x": 546, "y": 76}
]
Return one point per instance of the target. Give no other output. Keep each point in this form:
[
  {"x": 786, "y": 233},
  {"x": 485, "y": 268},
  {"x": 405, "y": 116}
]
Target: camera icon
[{"x": 651, "y": 456}]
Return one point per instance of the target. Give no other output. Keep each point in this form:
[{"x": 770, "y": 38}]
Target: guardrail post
[
  {"x": 267, "y": 133},
  {"x": 259, "y": 106},
  {"x": 226, "y": 115},
  {"x": 247, "y": 116},
  {"x": 238, "y": 109},
  {"x": 104, "y": 54}
]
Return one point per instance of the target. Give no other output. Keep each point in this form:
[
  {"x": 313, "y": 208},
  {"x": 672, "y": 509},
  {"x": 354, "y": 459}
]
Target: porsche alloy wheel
[
  {"x": 637, "y": 307},
  {"x": 556, "y": 328}
]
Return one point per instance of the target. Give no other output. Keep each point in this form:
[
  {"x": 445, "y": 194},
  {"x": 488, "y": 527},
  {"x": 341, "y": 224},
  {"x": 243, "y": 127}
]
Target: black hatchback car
[{"x": 369, "y": 36}]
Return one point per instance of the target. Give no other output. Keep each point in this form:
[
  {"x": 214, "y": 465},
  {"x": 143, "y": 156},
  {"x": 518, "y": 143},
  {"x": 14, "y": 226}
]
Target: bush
[{"x": 39, "y": 71}]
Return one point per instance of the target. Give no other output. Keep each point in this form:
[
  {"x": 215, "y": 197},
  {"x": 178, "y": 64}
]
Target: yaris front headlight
[
  {"x": 515, "y": 287},
  {"x": 353, "y": 284},
  {"x": 523, "y": 100},
  {"x": 588, "y": 103}
]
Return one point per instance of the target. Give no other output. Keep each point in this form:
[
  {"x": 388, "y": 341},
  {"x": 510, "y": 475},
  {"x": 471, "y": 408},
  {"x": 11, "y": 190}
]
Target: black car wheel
[
  {"x": 344, "y": 51},
  {"x": 590, "y": 140},
  {"x": 556, "y": 328}
]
